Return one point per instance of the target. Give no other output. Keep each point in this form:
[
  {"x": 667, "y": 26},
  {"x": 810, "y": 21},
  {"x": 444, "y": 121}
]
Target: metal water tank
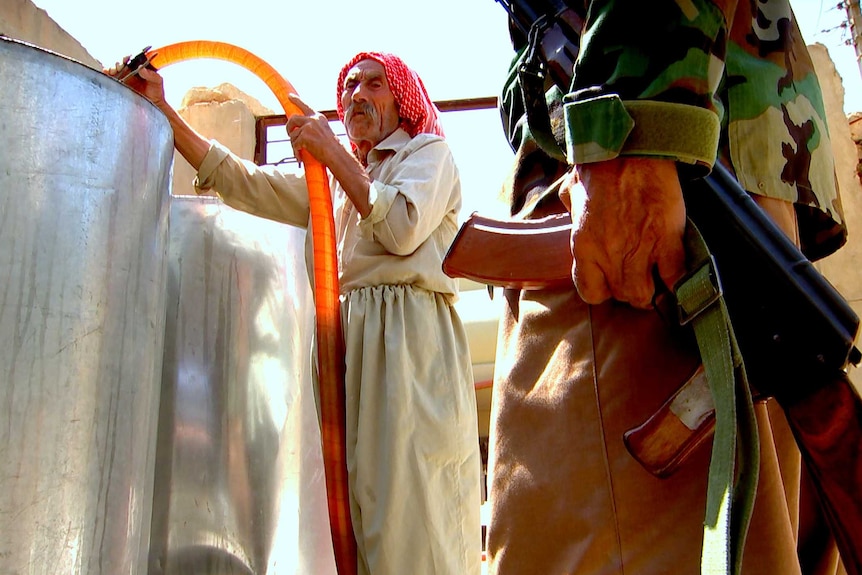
[
  {"x": 240, "y": 486},
  {"x": 84, "y": 202}
]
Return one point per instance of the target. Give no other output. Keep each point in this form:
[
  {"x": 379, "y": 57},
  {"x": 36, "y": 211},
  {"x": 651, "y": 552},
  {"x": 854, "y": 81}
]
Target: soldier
[{"x": 661, "y": 91}]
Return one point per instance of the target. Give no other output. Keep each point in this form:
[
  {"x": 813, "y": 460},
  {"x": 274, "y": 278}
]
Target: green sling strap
[{"x": 735, "y": 462}]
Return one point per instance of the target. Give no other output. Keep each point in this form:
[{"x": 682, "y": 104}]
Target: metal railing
[{"x": 276, "y": 150}]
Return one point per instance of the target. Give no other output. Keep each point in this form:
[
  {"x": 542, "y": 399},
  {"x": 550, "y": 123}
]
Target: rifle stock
[{"x": 665, "y": 440}]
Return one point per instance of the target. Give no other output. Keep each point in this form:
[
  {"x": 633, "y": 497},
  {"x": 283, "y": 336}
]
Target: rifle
[
  {"x": 549, "y": 29},
  {"x": 796, "y": 344}
]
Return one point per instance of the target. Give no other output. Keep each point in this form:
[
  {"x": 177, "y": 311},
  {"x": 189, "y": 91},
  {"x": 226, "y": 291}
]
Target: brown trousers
[{"x": 566, "y": 497}]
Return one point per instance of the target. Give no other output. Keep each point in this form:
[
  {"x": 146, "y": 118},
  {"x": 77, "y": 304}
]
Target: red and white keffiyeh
[{"x": 417, "y": 112}]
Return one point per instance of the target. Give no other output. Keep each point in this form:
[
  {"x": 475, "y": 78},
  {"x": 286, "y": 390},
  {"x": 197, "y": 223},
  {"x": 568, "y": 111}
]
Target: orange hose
[{"x": 330, "y": 342}]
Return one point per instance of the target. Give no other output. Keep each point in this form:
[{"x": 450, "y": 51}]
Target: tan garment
[
  {"x": 416, "y": 197},
  {"x": 412, "y": 431},
  {"x": 566, "y": 496},
  {"x": 412, "y": 446}
]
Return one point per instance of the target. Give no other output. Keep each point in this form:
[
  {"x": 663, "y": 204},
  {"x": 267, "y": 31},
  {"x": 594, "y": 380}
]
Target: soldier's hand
[{"x": 629, "y": 220}]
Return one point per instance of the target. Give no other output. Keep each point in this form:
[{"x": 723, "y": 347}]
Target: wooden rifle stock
[{"x": 665, "y": 440}]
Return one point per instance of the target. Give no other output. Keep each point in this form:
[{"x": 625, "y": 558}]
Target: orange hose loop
[
  {"x": 318, "y": 183},
  {"x": 330, "y": 345}
]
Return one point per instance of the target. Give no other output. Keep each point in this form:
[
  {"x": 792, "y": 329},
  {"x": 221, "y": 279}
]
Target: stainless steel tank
[
  {"x": 239, "y": 483},
  {"x": 84, "y": 197}
]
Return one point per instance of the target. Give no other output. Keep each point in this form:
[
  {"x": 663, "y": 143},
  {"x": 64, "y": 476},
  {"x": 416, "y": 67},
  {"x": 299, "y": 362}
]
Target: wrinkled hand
[
  {"x": 146, "y": 82},
  {"x": 310, "y": 131},
  {"x": 630, "y": 220}
]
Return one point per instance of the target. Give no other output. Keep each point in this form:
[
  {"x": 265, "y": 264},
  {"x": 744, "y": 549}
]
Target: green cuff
[{"x": 605, "y": 127}]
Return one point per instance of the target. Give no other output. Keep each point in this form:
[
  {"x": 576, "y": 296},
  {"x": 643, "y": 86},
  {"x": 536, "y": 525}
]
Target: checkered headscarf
[{"x": 417, "y": 112}]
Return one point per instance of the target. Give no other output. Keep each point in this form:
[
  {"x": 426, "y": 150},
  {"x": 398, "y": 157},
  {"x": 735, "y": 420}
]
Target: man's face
[{"x": 370, "y": 113}]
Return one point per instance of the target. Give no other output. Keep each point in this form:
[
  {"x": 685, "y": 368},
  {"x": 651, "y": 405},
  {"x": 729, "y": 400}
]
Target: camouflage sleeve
[
  {"x": 694, "y": 80},
  {"x": 777, "y": 133},
  {"x": 645, "y": 81}
]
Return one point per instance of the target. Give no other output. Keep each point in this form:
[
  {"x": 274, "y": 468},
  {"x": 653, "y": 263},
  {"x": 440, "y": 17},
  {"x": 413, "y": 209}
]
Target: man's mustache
[{"x": 361, "y": 108}]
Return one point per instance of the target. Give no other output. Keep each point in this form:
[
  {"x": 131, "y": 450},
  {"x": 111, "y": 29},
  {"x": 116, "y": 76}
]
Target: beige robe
[
  {"x": 412, "y": 431},
  {"x": 567, "y": 497}
]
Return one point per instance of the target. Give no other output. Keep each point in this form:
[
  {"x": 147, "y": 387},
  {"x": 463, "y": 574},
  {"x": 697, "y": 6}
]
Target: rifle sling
[
  {"x": 531, "y": 78},
  {"x": 734, "y": 464}
]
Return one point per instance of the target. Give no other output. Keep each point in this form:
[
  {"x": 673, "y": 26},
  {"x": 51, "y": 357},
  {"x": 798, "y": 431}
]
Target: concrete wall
[
  {"x": 22, "y": 20},
  {"x": 210, "y": 119},
  {"x": 843, "y": 269}
]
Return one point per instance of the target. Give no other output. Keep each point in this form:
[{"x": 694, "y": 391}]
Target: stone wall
[
  {"x": 22, "y": 20},
  {"x": 210, "y": 111},
  {"x": 855, "y": 122},
  {"x": 843, "y": 268}
]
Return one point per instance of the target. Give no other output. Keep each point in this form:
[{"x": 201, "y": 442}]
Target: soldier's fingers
[{"x": 590, "y": 282}]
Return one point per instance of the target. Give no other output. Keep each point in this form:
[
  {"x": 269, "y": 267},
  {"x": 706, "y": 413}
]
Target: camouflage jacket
[{"x": 698, "y": 81}]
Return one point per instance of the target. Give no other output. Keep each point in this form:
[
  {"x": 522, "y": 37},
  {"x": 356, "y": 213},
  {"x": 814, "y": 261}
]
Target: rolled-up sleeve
[
  {"x": 259, "y": 190},
  {"x": 415, "y": 199}
]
